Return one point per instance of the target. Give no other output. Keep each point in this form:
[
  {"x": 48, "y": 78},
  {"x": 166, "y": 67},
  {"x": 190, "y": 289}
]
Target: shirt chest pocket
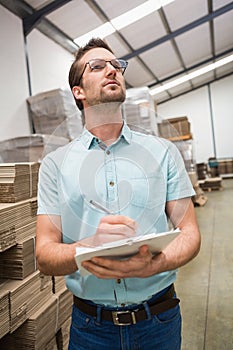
[{"x": 147, "y": 191}]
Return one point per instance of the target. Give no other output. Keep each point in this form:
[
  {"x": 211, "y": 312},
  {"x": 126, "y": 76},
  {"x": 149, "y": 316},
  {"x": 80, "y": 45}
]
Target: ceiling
[{"x": 167, "y": 44}]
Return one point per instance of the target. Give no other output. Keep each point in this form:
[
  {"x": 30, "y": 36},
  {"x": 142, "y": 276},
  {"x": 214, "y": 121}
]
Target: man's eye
[
  {"x": 116, "y": 65},
  {"x": 97, "y": 66}
]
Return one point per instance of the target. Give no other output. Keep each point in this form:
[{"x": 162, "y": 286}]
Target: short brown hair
[{"x": 75, "y": 69}]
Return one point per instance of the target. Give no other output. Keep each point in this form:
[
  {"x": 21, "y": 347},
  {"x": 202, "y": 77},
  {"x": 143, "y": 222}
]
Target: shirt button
[
  {"x": 111, "y": 183},
  {"x": 108, "y": 152}
]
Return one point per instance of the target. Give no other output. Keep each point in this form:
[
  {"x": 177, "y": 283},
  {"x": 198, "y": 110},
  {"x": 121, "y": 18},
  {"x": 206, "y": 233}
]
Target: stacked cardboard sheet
[
  {"x": 43, "y": 325},
  {"x": 139, "y": 110},
  {"x": 4, "y": 311},
  {"x": 25, "y": 297},
  {"x": 19, "y": 261},
  {"x": 52, "y": 345},
  {"x": 55, "y": 112},
  {"x": 18, "y": 181},
  {"x": 59, "y": 283},
  {"x": 17, "y": 218},
  {"x": 65, "y": 298},
  {"x": 65, "y": 330},
  {"x": 25, "y": 232},
  {"x": 175, "y": 128},
  {"x": 46, "y": 282},
  {"x": 31, "y": 148},
  {"x": 225, "y": 167}
]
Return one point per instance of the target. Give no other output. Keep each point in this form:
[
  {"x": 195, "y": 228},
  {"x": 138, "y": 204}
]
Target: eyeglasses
[{"x": 98, "y": 64}]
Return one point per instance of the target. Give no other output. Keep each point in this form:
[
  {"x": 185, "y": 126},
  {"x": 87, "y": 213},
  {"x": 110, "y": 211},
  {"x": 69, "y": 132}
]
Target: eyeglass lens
[{"x": 100, "y": 64}]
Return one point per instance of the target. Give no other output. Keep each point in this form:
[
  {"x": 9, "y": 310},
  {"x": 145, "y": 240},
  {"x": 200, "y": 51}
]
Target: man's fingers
[{"x": 119, "y": 219}]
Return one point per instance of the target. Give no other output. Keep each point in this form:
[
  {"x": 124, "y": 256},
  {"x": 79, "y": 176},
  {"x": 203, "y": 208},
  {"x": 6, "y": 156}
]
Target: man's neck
[
  {"x": 104, "y": 122},
  {"x": 107, "y": 133}
]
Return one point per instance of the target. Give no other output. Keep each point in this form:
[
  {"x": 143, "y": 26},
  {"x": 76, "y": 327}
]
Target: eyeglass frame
[{"x": 106, "y": 61}]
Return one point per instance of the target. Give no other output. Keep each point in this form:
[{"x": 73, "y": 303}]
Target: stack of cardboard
[
  {"x": 33, "y": 307},
  {"x": 42, "y": 326},
  {"x": 175, "y": 128},
  {"x": 55, "y": 112},
  {"x": 225, "y": 167},
  {"x": 59, "y": 283},
  {"x": 4, "y": 311},
  {"x": 17, "y": 217},
  {"x": 65, "y": 331},
  {"x": 25, "y": 297},
  {"x": 139, "y": 110},
  {"x": 19, "y": 261},
  {"x": 18, "y": 181},
  {"x": 30, "y": 148},
  {"x": 186, "y": 151}
]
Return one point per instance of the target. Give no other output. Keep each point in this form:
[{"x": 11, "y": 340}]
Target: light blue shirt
[{"x": 135, "y": 176}]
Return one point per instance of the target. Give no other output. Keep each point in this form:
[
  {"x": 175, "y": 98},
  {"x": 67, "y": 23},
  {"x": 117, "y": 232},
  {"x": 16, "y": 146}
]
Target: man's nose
[{"x": 110, "y": 68}]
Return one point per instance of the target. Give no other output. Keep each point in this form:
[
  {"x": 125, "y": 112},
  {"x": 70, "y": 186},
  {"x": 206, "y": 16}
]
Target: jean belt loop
[
  {"x": 147, "y": 309},
  {"x": 98, "y": 314}
]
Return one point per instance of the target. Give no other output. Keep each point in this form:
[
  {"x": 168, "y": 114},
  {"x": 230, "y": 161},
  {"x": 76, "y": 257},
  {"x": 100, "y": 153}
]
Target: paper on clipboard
[{"x": 125, "y": 248}]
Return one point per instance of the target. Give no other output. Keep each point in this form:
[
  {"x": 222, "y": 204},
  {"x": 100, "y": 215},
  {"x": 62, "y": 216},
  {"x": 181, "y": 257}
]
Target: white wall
[
  {"x": 196, "y": 106},
  {"x": 13, "y": 83},
  {"x": 49, "y": 65},
  {"x": 222, "y": 101}
]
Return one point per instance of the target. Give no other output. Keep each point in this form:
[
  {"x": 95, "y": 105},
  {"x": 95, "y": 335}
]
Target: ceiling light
[
  {"x": 123, "y": 20},
  {"x": 137, "y": 13},
  {"x": 192, "y": 75},
  {"x": 101, "y": 32}
]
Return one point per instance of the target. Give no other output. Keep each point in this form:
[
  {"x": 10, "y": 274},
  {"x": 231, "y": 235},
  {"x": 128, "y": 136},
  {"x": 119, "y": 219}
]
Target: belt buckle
[{"x": 116, "y": 318}]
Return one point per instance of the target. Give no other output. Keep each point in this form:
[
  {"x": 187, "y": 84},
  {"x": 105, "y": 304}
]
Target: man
[{"x": 141, "y": 179}]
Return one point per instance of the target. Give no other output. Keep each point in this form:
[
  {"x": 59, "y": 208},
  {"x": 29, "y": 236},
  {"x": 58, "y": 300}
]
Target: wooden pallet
[
  {"x": 181, "y": 138},
  {"x": 212, "y": 188},
  {"x": 211, "y": 184}
]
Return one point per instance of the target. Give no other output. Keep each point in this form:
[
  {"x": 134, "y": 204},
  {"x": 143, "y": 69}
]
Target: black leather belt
[{"x": 129, "y": 317}]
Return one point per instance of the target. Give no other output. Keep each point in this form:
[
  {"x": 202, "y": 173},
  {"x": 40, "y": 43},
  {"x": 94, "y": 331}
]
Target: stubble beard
[{"x": 108, "y": 97}]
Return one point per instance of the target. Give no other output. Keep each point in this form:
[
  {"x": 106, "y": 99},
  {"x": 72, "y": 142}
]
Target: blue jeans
[{"x": 159, "y": 332}]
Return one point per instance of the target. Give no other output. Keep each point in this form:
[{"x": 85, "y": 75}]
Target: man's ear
[{"x": 78, "y": 92}]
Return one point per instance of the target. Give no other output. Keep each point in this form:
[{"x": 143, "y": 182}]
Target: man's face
[{"x": 104, "y": 85}]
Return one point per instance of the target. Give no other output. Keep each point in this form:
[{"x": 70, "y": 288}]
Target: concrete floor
[{"x": 205, "y": 285}]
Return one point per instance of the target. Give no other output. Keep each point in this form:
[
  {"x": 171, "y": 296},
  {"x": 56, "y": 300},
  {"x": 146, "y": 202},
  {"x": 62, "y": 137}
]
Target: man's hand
[
  {"x": 180, "y": 251},
  {"x": 111, "y": 228},
  {"x": 139, "y": 265}
]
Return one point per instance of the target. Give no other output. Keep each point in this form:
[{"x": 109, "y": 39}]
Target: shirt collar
[{"x": 89, "y": 140}]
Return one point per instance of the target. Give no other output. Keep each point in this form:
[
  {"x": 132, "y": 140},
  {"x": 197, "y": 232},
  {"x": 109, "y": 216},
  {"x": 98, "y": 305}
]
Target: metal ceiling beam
[
  {"x": 211, "y": 29},
  {"x": 31, "y": 21},
  {"x": 21, "y": 9},
  {"x": 180, "y": 31},
  {"x": 195, "y": 66},
  {"x": 195, "y": 88},
  {"x": 173, "y": 42}
]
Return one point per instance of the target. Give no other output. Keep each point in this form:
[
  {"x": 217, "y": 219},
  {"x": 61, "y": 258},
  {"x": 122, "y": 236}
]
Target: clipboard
[{"x": 125, "y": 248}]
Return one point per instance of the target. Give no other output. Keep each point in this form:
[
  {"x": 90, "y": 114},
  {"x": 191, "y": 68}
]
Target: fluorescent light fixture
[
  {"x": 123, "y": 20},
  {"x": 192, "y": 75},
  {"x": 137, "y": 13},
  {"x": 102, "y": 31}
]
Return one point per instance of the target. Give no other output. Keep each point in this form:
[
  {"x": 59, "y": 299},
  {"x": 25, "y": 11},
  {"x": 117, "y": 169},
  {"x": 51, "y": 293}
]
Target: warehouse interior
[{"x": 179, "y": 84}]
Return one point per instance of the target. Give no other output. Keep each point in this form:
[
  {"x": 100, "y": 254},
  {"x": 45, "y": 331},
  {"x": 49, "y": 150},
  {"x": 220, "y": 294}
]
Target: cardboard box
[
  {"x": 30, "y": 148},
  {"x": 174, "y": 127}
]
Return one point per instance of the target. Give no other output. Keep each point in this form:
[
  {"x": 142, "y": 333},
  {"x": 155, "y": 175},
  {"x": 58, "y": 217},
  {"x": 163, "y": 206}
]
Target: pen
[{"x": 101, "y": 207}]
